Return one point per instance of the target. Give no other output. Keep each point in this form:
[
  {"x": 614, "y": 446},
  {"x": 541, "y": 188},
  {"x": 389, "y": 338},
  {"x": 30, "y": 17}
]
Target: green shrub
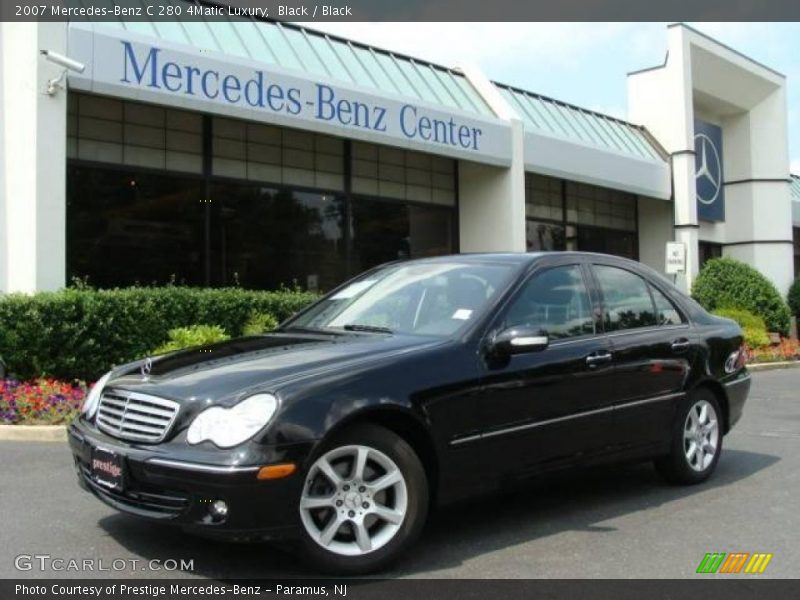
[
  {"x": 753, "y": 326},
  {"x": 258, "y": 323},
  {"x": 81, "y": 333},
  {"x": 190, "y": 337},
  {"x": 726, "y": 283},
  {"x": 794, "y": 298}
]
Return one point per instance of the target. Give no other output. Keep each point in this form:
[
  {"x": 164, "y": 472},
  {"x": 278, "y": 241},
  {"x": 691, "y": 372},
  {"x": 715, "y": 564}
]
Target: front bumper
[{"x": 167, "y": 485}]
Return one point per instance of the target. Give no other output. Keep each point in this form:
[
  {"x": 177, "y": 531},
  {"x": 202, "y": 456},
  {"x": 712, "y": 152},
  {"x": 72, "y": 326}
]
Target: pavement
[{"x": 610, "y": 522}]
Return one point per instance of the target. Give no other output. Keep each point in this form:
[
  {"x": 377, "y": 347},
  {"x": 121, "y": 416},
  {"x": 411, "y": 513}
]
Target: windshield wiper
[
  {"x": 325, "y": 330},
  {"x": 367, "y": 328}
]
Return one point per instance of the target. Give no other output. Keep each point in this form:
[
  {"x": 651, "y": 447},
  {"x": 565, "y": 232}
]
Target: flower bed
[
  {"x": 786, "y": 350},
  {"x": 39, "y": 402}
]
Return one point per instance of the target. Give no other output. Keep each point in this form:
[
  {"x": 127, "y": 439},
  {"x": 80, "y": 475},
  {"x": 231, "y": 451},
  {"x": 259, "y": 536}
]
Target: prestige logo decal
[
  {"x": 735, "y": 562},
  {"x": 149, "y": 70},
  {"x": 107, "y": 467}
]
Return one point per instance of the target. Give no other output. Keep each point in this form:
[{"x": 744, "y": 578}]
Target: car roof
[{"x": 515, "y": 258}]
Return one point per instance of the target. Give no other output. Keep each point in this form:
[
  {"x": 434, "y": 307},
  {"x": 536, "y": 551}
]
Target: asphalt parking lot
[{"x": 618, "y": 522}]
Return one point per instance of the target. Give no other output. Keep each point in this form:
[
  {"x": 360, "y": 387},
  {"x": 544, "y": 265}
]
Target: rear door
[{"x": 650, "y": 340}]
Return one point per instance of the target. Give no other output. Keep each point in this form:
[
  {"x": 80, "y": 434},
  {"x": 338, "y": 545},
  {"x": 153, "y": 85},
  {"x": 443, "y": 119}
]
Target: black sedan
[{"x": 417, "y": 383}]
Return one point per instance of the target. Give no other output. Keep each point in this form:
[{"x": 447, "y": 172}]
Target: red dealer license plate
[{"x": 108, "y": 469}]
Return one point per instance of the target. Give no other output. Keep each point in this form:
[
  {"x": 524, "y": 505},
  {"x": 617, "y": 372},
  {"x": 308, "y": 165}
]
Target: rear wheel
[
  {"x": 364, "y": 500},
  {"x": 696, "y": 440}
]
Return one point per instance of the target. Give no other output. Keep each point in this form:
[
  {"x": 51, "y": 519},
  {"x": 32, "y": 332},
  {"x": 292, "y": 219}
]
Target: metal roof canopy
[
  {"x": 568, "y": 141},
  {"x": 309, "y": 51}
]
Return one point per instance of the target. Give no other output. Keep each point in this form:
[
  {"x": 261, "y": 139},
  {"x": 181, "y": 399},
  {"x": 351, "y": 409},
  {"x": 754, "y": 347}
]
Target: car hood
[{"x": 223, "y": 373}]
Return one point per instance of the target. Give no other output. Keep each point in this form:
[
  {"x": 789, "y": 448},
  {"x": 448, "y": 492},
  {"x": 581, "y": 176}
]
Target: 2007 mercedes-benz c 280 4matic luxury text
[{"x": 418, "y": 382}]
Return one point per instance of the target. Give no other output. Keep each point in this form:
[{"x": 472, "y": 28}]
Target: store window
[
  {"x": 268, "y": 237},
  {"x": 386, "y": 231},
  {"x": 126, "y": 227},
  {"x": 385, "y": 172},
  {"x": 707, "y": 251},
  {"x": 273, "y": 209},
  {"x": 108, "y": 130},
  {"x": 566, "y": 215}
]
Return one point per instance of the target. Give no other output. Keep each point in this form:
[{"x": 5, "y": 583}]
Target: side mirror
[{"x": 518, "y": 340}]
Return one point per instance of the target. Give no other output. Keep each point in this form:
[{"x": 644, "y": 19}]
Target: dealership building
[{"x": 260, "y": 154}]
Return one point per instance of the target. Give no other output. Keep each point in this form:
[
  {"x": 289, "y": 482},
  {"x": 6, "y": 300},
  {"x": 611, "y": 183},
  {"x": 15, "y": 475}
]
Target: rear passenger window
[
  {"x": 666, "y": 313},
  {"x": 626, "y": 299}
]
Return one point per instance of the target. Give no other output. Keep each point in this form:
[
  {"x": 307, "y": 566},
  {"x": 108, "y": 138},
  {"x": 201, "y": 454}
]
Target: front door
[{"x": 546, "y": 408}]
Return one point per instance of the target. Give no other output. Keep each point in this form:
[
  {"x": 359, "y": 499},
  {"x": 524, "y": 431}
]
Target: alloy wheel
[
  {"x": 354, "y": 500},
  {"x": 700, "y": 435}
]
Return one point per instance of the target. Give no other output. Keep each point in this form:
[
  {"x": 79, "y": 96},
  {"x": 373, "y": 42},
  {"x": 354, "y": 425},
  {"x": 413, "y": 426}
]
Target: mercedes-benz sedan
[{"x": 417, "y": 383}]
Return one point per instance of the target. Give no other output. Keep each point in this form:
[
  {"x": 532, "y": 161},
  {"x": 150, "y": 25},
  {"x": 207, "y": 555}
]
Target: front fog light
[{"x": 219, "y": 509}]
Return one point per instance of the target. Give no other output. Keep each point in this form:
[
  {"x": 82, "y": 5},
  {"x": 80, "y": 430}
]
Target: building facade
[{"x": 262, "y": 154}]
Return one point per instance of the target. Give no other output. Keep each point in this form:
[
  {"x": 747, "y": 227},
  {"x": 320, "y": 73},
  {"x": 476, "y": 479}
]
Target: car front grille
[{"x": 134, "y": 416}]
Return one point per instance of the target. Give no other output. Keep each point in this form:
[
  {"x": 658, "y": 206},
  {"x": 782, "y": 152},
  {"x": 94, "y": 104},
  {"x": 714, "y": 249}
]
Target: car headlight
[
  {"x": 92, "y": 399},
  {"x": 227, "y": 427}
]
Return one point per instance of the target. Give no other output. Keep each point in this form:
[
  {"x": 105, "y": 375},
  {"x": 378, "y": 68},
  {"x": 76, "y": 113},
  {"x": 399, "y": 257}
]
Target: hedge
[
  {"x": 729, "y": 283},
  {"x": 81, "y": 333}
]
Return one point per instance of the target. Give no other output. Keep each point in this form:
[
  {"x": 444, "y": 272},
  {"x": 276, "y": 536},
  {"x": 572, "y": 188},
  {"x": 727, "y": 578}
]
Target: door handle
[
  {"x": 598, "y": 358},
  {"x": 680, "y": 345}
]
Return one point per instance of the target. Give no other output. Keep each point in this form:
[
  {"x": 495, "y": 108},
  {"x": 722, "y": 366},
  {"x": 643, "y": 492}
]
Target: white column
[
  {"x": 33, "y": 139},
  {"x": 492, "y": 199}
]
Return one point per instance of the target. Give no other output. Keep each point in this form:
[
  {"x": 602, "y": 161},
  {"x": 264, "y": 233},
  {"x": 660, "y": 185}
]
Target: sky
[{"x": 582, "y": 63}]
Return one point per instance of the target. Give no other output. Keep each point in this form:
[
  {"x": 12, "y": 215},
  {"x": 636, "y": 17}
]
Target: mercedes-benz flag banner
[{"x": 708, "y": 176}]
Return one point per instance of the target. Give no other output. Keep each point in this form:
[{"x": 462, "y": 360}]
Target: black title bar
[{"x": 402, "y": 10}]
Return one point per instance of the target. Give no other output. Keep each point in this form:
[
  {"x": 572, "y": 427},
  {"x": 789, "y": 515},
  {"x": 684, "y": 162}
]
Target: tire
[
  {"x": 364, "y": 501},
  {"x": 699, "y": 412}
]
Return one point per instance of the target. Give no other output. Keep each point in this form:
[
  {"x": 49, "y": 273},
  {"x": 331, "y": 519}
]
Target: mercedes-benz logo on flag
[{"x": 709, "y": 176}]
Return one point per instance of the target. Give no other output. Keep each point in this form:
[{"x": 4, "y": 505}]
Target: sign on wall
[
  {"x": 128, "y": 65},
  {"x": 676, "y": 258},
  {"x": 708, "y": 174}
]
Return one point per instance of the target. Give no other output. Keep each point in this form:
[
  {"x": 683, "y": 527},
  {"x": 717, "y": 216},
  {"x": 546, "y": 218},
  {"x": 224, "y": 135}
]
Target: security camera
[{"x": 64, "y": 61}]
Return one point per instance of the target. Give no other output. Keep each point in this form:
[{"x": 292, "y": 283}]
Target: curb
[
  {"x": 33, "y": 433},
  {"x": 787, "y": 364}
]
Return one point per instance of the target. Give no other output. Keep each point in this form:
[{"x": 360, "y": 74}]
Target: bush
[
  {"x": 189, "y": 337},
  {"x": 729, "y": 283},
  {"x": 794, "y": 298},
  {"x": 258, "y": 323},
  {"x": 753, "y": 326},
  {"x": 81, "y": 333}
]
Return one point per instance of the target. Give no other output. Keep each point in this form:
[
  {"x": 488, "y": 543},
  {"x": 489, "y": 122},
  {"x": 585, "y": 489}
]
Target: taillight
[{"x": 736, "y": 360}]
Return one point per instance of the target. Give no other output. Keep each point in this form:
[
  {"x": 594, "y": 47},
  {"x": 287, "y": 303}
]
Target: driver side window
[{"x": 555, "y": 303}]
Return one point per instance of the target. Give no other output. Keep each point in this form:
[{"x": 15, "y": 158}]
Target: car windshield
[{"x": 433, "y": 298}]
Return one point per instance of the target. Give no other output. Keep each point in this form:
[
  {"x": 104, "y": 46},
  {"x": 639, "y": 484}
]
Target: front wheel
[
  {"x": 696, "y": 440},
  {"x": 364, "y": 500}
]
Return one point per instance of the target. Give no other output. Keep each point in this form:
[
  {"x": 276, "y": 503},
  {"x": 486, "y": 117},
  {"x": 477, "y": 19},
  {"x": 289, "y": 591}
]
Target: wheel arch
[
  {"x": 403, "y": 423},
  {"x": 718, "y": 390}
]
